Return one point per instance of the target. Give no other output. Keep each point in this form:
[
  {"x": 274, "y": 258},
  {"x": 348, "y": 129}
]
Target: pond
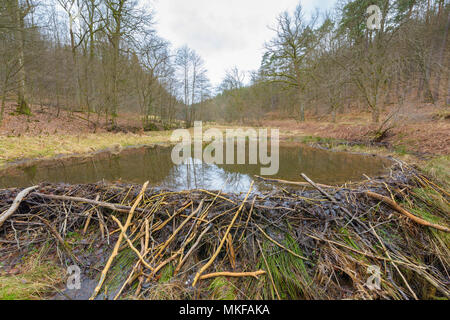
[{"x": 155, "y": 164}]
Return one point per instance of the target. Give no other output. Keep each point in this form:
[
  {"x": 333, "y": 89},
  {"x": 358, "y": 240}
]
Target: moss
[
  {"x": 222, "y": 289},
  {"x": 166, "y": 273}
]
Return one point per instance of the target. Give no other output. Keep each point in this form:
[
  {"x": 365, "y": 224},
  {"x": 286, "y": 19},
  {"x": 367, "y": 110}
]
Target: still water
[{"x": 155, "y": 165}]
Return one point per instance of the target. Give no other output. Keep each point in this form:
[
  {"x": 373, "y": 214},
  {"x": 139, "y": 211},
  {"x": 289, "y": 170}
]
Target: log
[
  {"x": 22, "y": 194},
  {"x": 399, "y": 209}
]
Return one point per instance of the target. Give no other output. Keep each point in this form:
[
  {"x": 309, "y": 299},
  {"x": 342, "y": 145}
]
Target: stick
[
  {"x": 117, "y": 245},
  {"x": 393, "y": 263},
  {"x": 216, "y": 253},
  {"x": 58, "y": 237},
  {"x": 112, "y": 206},
  {"x": 168, "y": 241},
  {"x": 399, "y": 209},
  {"x": 295, "y": 183},
  {"x": 254, "y": 274},
  {"x": 88, "y": 220},
  {"x": 22, "y": 194},
  {"x": 180, "y": 264},
  {"x": 141, "y": 258},
  {"x": 332, "y": 199},
  {"x": 315, "y": 185},
  {"x": 230, "y": 249}
]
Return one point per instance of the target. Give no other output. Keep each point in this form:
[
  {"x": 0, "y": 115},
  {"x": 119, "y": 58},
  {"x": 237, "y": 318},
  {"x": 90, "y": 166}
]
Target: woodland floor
[
  {"x": 418, "y": 132},
  {"x": 424, "y": 130}
]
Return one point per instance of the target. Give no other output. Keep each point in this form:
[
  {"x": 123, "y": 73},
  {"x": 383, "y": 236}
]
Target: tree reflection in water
[{"x": 155, "y": 165}]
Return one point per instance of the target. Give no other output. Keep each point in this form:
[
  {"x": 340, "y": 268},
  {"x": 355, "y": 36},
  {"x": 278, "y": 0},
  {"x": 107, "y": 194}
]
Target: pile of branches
[{"x": 305, "y": 242}]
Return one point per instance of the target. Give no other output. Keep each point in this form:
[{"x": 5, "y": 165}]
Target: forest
[{"x": 105, "y": 58}]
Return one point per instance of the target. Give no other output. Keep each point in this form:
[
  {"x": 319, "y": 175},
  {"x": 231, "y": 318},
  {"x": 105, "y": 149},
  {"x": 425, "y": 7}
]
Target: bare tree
[
  {"x": 285, "y": 57},
  {"x": 191, "y": 66}
]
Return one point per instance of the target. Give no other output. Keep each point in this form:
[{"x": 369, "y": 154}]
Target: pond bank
[{"x": 23, "y": 151}]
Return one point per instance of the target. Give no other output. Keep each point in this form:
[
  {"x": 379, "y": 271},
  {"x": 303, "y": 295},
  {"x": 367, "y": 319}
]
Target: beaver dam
[{"x": 296, "y": 240}]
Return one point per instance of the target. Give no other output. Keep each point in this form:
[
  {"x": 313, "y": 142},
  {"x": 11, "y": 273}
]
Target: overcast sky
[{"x": 225, "y": 33}]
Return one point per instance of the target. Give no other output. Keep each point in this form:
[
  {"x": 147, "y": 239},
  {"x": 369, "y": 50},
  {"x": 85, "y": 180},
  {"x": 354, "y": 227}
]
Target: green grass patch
[
  {"x": 37, "y": 279},
  {"x": 439, "y": 169},
  {"x": 166, "y": 273},
  {"x": 289, "y": 272}
]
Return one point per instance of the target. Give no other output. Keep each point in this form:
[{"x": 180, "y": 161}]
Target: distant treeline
[{"x": 334, "y": 62}]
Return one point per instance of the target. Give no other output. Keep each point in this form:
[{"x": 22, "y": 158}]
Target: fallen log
[
  {"x": 399, "y": 209},
  {"x": 22, "y": 194}
]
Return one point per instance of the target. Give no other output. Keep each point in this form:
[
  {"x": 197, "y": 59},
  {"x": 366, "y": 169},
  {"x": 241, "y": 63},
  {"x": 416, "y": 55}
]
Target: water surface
[{"x": 155, "y": 165}]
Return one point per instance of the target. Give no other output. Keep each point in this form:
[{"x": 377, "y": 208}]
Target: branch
[
  {"x": 399, "y": 209},
  {"x": 5, "y": 215},
  {"x": 254, "y": 274}
]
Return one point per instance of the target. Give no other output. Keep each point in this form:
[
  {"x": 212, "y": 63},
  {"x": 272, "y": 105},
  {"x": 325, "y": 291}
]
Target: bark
[
  {"x": 441, "y": 58},
  {"x": 22, "y": 105},
  {"x": 302, "y": 111},
  {"x": 2, "y": 111}
]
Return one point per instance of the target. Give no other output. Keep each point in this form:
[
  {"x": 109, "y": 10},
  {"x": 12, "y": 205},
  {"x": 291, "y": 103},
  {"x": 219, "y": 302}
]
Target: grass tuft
[{"x": 37, "y": 279}]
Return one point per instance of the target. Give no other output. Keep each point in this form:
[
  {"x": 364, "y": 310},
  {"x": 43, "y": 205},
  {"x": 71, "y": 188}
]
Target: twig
[
  {"x": 168, "y": 241},
  {"x": 180, "y": 264},
  {"x": 280, "y": 245},
  {"x": 294, "y": 183},
  {"x": 393, "y": 263},
  {"x": 130, "y": 244},
  {"x": 58, "y": 237},
  {"x": 315, "y": 185},
  {"x": 268, "y": 270},
  {"x": 254, "y": 274}
]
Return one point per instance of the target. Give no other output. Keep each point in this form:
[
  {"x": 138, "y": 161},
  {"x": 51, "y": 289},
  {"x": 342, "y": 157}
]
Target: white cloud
[{"x": 225, "y": 33}]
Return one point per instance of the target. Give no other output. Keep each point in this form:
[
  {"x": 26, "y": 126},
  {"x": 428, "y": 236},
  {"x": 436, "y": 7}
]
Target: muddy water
[{"x": 155, "y": 165}]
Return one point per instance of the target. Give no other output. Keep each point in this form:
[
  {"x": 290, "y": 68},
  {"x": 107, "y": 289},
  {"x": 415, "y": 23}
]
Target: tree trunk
[
  {"x": 2, "y": 111},
  {"x": 302, "y": 111},
  {"x": 376, "y": 114},
  {"x": 22, "y": 105},
  {"x": 441, "y": 57}
]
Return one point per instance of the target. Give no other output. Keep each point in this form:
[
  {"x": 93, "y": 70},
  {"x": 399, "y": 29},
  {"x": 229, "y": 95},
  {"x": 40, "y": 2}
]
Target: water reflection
[{"x": 156, "y": 165}]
